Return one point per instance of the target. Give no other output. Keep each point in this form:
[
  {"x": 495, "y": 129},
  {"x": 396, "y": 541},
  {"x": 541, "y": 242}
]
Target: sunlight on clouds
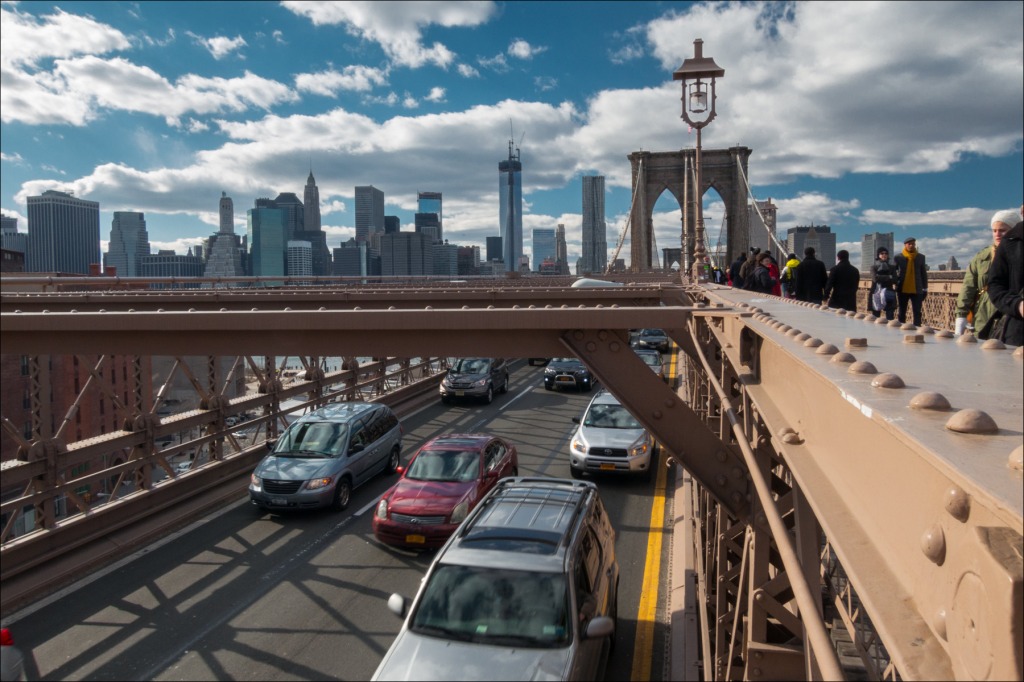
[
  {"x": 520, "y": 49},
  {"x": 353, "y": 77},
  {"x": 467, "y": 71},
  {"x": 25, "y": 40},
  {"x": 219, "y": 46},
  {"x": 965, "y": 217},
  {"x": 436, "y": 95}
]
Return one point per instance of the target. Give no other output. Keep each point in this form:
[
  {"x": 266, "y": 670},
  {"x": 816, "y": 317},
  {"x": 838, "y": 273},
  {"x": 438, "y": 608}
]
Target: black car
[
  {"x": 567, "y": 373},
  {"x": 653, "y": 338}
]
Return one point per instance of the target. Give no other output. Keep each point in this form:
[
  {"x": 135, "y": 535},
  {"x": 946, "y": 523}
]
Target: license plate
[
  {"x": 608, "y": 467},
  {"x": 459, "y": 394},
  {"x": 415, "y": 539},
  {"x": 279, "y": 501}
]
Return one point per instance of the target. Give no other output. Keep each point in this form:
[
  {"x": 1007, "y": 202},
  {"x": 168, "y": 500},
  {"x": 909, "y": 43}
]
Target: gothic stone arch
[{"x": 660, "y": 171}]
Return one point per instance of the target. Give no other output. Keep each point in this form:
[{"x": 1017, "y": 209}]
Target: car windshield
[
  {"x": 650, "y": 359},
  {"x": 610, "y": 417},
  {"x": 312, "y": 439},
  {"x": 445, "y": 465},
  {"x": 472, "y": 366},
  {"x": 565, "y": 362},
  {"x": 652, "y": 332},
  {"x": 494, "y": 606}
]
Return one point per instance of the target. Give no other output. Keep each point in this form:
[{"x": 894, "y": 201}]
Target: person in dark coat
[
  {"x": 748, "y": 268},
  {"x": 912, "y": 285},
  {"x": 810, "y": 277},
  {"x": 884, "y": 277},
  {"x": 842, "y": 283},
  {"x": 734, "y": 271},
  {"x": 760, "y": 278},
  {"x": 1006, "y": 283}
]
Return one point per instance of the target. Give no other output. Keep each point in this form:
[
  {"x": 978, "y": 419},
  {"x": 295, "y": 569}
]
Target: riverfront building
[{"x": 63, "y": 233}]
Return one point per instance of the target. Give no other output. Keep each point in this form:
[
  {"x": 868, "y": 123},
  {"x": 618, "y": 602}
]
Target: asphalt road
[{"x": 258, "y": 596}]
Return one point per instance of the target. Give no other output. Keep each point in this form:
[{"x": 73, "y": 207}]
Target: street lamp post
[{"x": 695, "y": 74}]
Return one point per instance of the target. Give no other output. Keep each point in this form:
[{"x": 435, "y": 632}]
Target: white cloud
[
  {"x": 409, "y": 102},
  {"x": 960, "y": 217},
  {"x": 496, "y": 63},
  {"x": 12, "y": 158},
  {"x": 545, "y": 83},
  {"x": 467, "y": 71},
  {"x": 353, "y": 77},
  {"x": 396, "y": 26},
  {"x": 26, "y": 40},
  {"x": 436, "y": 95},
  {"x": 219, "y": 46},
  {"x": 520, "y": 49}
]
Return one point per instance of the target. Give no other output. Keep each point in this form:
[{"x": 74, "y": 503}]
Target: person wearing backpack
[{"x": 786, "y": 277}]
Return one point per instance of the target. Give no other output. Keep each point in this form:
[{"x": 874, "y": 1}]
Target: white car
[{"x": 610, "y": 439}]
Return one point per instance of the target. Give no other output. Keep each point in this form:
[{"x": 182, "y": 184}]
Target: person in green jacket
[{"x": 973, "y": 307}]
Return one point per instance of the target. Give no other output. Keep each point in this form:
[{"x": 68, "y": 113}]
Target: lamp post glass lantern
[{"x": 697, "y": 74}]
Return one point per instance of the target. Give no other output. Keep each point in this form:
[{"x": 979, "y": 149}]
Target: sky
[{"x": 903, "y": 117}]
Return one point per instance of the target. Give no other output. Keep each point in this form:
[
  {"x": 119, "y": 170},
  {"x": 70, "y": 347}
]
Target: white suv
[{"x": 610, "y": 439}]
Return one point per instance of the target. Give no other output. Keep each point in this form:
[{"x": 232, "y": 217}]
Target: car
[
  {"x": 567, "y": 373},
  {"x": 443, "y": 482},
  {"x": 653, "y": 338},
  {"x": 525, "y": 589},
  {"x": 610, "y": 439},
  {"x": 477, "y": 378},
  {"x": 653, "y": 360},
  {"x": 12, "y": 661},
  {"x": 325, "y": 454}
]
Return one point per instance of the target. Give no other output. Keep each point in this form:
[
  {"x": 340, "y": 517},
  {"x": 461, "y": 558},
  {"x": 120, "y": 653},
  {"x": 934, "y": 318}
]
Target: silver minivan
[
  {"x": 610, "y": 439},
  {"x": 324, "y": 455}
]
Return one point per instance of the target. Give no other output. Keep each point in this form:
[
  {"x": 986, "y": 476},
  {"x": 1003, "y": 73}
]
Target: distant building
[
  {"x": 406, "y": 254},
  {"x": 300, "y": 258},
  {"x": 294, "y": 213},
  {"x": 166, "y": 263},
  {"x": 510, "y": 209},
  {"x": 227, "y": 214},
  {"x": 446, "y": 259},
  {"x": 428, "y": 224},
  {"x": 129, "y": 242},
  {"x": 225, "y": 250},
  {"x": 392, "y": 224},
  {"x": 11, "y": 239},
  {"x": 561, "y": 250},
  {"x": 430, "y": 203},
  {"x": 311, "y": 205},
  {"x": 267, "y": 236},
  {"x": 762, "y": 231},
  {"x": 494, "y": 250},
  {"x": 595, "y": 230},
  {"x": 869, "y": 246},
  {"x": 12, "y": 261},
  {"x": 63, "y": 233},
  {"x": 952, "y": 263},
  {"x": 468, "y": 260},
  {"x": 543, "y": 246},
  {"x": 369, "y": 212},
  {"x": 820, "y": 237},
  {"x": 350, "y": 259}
]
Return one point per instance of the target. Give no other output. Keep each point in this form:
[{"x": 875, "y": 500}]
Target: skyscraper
[
  {"x": 510, "y": 216},
  {"x": 820, "y": 237},
  {"x": 561, "y": 250},
  {"x": 543, "y": 246},
  {"x": 494, "y": 250},
  {"x": 430, "y": 202},
  {"x": 267, "y": 232},
  {"x": 12, "y": 240},
  {"x": 369, "y": 212},
  {"x": 311, "y": 202},
  {"x": 406, "y": 253},
  {"x": 761, "y": 231},
  {"x": 295, "y": 213},
  {"x": 595, "y": 239},
  {"x": 869, "y": 245},
  {"x": 63, "y": 233},
  {"x": 227, "y": 214},
  {"x": 299, "y": 258},
  {"x": 129, "y": 242}
]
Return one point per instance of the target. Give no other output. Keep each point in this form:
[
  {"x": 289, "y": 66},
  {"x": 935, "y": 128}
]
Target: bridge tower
[{"x": 656, "y": 172}]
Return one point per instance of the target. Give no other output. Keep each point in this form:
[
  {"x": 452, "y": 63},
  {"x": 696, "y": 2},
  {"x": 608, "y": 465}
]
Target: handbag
[{"x": 995, "y": 328}]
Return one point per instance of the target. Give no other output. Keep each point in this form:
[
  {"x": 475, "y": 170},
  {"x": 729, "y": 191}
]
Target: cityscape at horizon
[{"x": 854, "y": 122}]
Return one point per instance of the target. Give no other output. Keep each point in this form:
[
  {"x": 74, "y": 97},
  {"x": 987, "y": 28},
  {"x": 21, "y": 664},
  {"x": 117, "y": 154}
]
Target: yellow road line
[{"x": 643, "y": 649}]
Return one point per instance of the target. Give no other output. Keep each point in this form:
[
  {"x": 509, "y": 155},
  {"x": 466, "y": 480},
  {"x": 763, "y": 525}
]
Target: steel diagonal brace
[{"x": 670, "y": 420}]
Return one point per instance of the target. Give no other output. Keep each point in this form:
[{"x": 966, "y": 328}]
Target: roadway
[{"x": 249, "y": 595}]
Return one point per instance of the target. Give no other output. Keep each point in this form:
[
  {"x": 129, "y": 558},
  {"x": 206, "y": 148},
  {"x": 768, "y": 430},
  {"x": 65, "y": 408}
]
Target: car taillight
[{"x": 5, "y": 638}]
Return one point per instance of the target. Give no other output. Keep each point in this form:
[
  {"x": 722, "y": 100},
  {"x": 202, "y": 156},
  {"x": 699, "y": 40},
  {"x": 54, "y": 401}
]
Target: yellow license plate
[
  {"x": 608, "y": 467},
  {"x": 459, "y": 394},
  {"x": 415, "y": 539}
]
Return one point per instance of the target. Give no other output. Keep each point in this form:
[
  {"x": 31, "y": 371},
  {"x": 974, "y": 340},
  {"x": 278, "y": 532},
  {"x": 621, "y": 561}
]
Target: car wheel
[
  {"x": 490, "y": 395},
  {"x": 504, "y": 385},
  {"x": 342, "y": 494},
  {"x": 393, "y": 460},
  {"x": 576, "y": 473}
]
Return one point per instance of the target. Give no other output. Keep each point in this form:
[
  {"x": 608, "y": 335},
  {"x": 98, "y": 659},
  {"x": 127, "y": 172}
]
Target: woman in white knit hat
[{"x": 973, "y": 305}]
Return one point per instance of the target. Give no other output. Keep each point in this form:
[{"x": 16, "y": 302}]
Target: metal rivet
[
  {"x": 722, "y": 480},
  {"x": 1019, "y": 353},
  {"x": 943, "y": 334},
  {"x": 721, "y": 456},
  {"x": 930, "y": 400},
  {"x": 887, "y": 380},
  {"x": 993, "y": 344},
  {"x": 602, "y": 335},
  {"x": 933, "y": 544},
  {"x": 827, "y": 349},
  {"x": 939, "y": 623},
  {"x": 793, "y": 332},
  {"x": 812, "y": 343},
  {"x": 615, "y": 347},
  {"x": 657, "y": 414},
  {"x": 856, "y": 343},
  {"x": 894, "y": 323},
  {"x": 925, "y": 329},
  {"x": 972, "y": 421},
  {"x": 881, "y": 320},
  {"x": 913, "y": 338},
  {"x": 958, "y": 503},
  {"x": 862, "y": 367},
  {"x": 803, "y": 336},
  {"x": 785, "y": 328},
  {"x": 792, "y": 438},
  {"x": 1016, "y": 458},
  {"x": 591, "y": 346},
  {"x": 966, "y": 338},
  {"x": 909, "y": 326},
  {"x": 842, "y": 358}
]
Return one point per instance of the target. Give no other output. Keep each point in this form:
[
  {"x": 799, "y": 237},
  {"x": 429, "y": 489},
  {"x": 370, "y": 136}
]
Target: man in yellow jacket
[
  {"x": 912, "y": 286},
  {"x": 973, "y": 300}
]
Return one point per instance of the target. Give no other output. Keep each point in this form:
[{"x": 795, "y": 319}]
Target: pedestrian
[
  {"x": 974, "y": 309},
  {"x": 786, "y": 278},
  {"x": 734, "y": 271},
  {"x": 843, "y": 281},
  {"x": 1006, "y": 284},
  {"x": 912, "y": 285},
  {"x": 773, "y": 271},
  {"x": 760, "y": 280},
  {"x": 883, "y": 280},
  {"x": 748, "y": 267},
  {"x": 810, "y": 277}
]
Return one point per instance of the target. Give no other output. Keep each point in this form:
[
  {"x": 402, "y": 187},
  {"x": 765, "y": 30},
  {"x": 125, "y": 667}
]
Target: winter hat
[{"x": 1008, "y": 217}]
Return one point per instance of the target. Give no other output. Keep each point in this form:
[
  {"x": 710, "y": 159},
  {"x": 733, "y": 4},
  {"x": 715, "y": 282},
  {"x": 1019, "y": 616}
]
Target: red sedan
[{"x": 443, "y": 482}]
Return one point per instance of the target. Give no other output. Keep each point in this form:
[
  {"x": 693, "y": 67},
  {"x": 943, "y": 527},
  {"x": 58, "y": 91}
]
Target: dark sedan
[
  {"x": 653, "y": 338},
  {"x": 567, "y": 373}
]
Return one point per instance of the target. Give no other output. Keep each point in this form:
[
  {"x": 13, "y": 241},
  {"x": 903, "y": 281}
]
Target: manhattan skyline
[{"x": 853, "y": 111}]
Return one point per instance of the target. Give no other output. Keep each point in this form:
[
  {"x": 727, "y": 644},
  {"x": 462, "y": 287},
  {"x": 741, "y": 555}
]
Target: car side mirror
[
  {"x": 600, "y": 627},
  {"x": 355, "y": 447},
  {"x": 398, "y": 604}
]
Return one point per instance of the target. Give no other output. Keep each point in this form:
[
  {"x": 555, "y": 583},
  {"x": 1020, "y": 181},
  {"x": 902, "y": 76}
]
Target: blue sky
[{"x": 891, "y": 116}]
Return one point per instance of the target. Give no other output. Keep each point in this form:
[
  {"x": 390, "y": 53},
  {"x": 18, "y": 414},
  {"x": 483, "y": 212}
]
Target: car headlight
[
  {"x": 255, "y": 482},
  {"x": 550, "y": 370},
  {"x": 480, "y": 382},
  {"x": 447, "y": 381},
  {"x": 318, "y": 483},
  {"x": 579, "y": 445},
  {"x": 640, "y": 447},
  {"x": 382, "y": 508},
  {"x": 460, "y": 511}
]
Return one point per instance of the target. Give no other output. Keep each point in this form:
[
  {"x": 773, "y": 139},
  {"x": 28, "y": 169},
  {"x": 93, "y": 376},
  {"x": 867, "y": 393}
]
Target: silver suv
[
  {"x": 525, "y": 589},
  {"x": 477, "y": 378},
  {"x": 610, "y": 439},
  {"x": 325, "y": 454}
]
